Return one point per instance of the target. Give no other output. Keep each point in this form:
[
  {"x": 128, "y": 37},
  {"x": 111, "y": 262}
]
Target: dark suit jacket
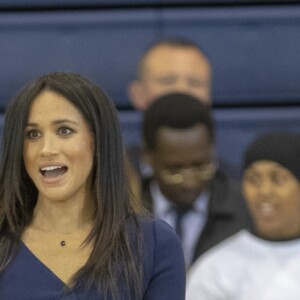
[{"x": 227, "y": 212}]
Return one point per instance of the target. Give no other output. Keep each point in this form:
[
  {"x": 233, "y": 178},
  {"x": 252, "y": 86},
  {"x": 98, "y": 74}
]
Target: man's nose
[
  {"x": 190, "y": 180},
  {"x": 266, "y": 188},
  {"x": 182, "y": 86}
]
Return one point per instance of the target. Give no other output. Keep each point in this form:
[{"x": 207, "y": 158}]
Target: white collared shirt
[{"x": 192, "y": 223}]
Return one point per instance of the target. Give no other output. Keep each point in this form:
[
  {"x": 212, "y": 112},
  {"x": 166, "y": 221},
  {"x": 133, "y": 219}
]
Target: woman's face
[
  {"x": 58, "y": 149},
  {"x": 273, "y": 196}
]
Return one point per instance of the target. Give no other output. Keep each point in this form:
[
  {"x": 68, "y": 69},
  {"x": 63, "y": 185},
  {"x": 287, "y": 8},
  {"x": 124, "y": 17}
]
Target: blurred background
[{"x": 254, "y": 47}]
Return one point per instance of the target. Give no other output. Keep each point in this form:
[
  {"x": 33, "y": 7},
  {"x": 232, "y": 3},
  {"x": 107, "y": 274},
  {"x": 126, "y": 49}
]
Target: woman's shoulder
[
  {"x": 157, "y": 231},
  {"x": 160, "y": 242},
  {"x": 150, "y": 223},
  {"x": 164, "y": 269}
]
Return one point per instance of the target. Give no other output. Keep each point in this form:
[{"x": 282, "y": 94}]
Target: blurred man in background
[
  {"x": 187, "y": 188},
  {"x": 171, "y": 65}
]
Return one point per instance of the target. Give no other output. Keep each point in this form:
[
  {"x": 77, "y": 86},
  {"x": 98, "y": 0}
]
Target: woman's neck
[{"x": 61, "y": 217}]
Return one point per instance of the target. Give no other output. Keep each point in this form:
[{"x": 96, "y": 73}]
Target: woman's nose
[{"x": 49, "y": 146}]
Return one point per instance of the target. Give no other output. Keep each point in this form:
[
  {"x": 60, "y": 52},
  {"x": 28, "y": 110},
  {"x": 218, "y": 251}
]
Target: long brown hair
[{"x": 115, "y": 233}]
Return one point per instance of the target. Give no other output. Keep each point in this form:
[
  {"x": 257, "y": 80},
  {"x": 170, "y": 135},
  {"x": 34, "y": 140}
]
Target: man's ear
[{"x": 136, "y": 95}]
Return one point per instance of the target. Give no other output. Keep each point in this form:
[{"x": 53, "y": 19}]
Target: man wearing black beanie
[
  {"x": 264, "y": 263},
  {"x": 280, "y": 147}
]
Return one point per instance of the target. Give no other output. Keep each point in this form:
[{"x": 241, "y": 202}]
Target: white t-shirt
[{"x": 245, "y": 267}]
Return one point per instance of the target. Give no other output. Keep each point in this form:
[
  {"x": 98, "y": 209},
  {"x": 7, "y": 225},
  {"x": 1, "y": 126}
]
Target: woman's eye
[
  {"x": 33, "y": 134},
  {"x": 65, "y": 131}
]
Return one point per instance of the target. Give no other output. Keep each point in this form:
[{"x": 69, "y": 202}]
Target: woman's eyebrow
[
  {"x": 55, "y": 122},
  {"x": 60, "y": 121}
]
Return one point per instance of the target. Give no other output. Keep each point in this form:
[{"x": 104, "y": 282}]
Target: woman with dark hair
[{"x": 69, "y": 228}]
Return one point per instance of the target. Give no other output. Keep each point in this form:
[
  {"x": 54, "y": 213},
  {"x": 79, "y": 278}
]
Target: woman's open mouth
[{"x": 53, "y": 171}]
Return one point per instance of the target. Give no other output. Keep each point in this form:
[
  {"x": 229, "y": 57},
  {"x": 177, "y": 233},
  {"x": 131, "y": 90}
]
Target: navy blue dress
[{"x": 26, "y": 278}]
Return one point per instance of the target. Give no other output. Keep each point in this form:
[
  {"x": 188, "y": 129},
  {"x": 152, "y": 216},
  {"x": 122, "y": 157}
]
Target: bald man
[{"x": 175, "y": 65}]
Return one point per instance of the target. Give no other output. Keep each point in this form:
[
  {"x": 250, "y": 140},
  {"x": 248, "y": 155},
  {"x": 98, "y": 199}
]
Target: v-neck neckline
[{"x": 40, "y": 264}]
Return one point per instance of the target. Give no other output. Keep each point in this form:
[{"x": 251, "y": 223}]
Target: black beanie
[{"x": 280, "y": 147}]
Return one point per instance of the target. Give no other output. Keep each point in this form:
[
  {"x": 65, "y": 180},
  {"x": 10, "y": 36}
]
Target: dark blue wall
[{"x": 254, "y": 50}]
